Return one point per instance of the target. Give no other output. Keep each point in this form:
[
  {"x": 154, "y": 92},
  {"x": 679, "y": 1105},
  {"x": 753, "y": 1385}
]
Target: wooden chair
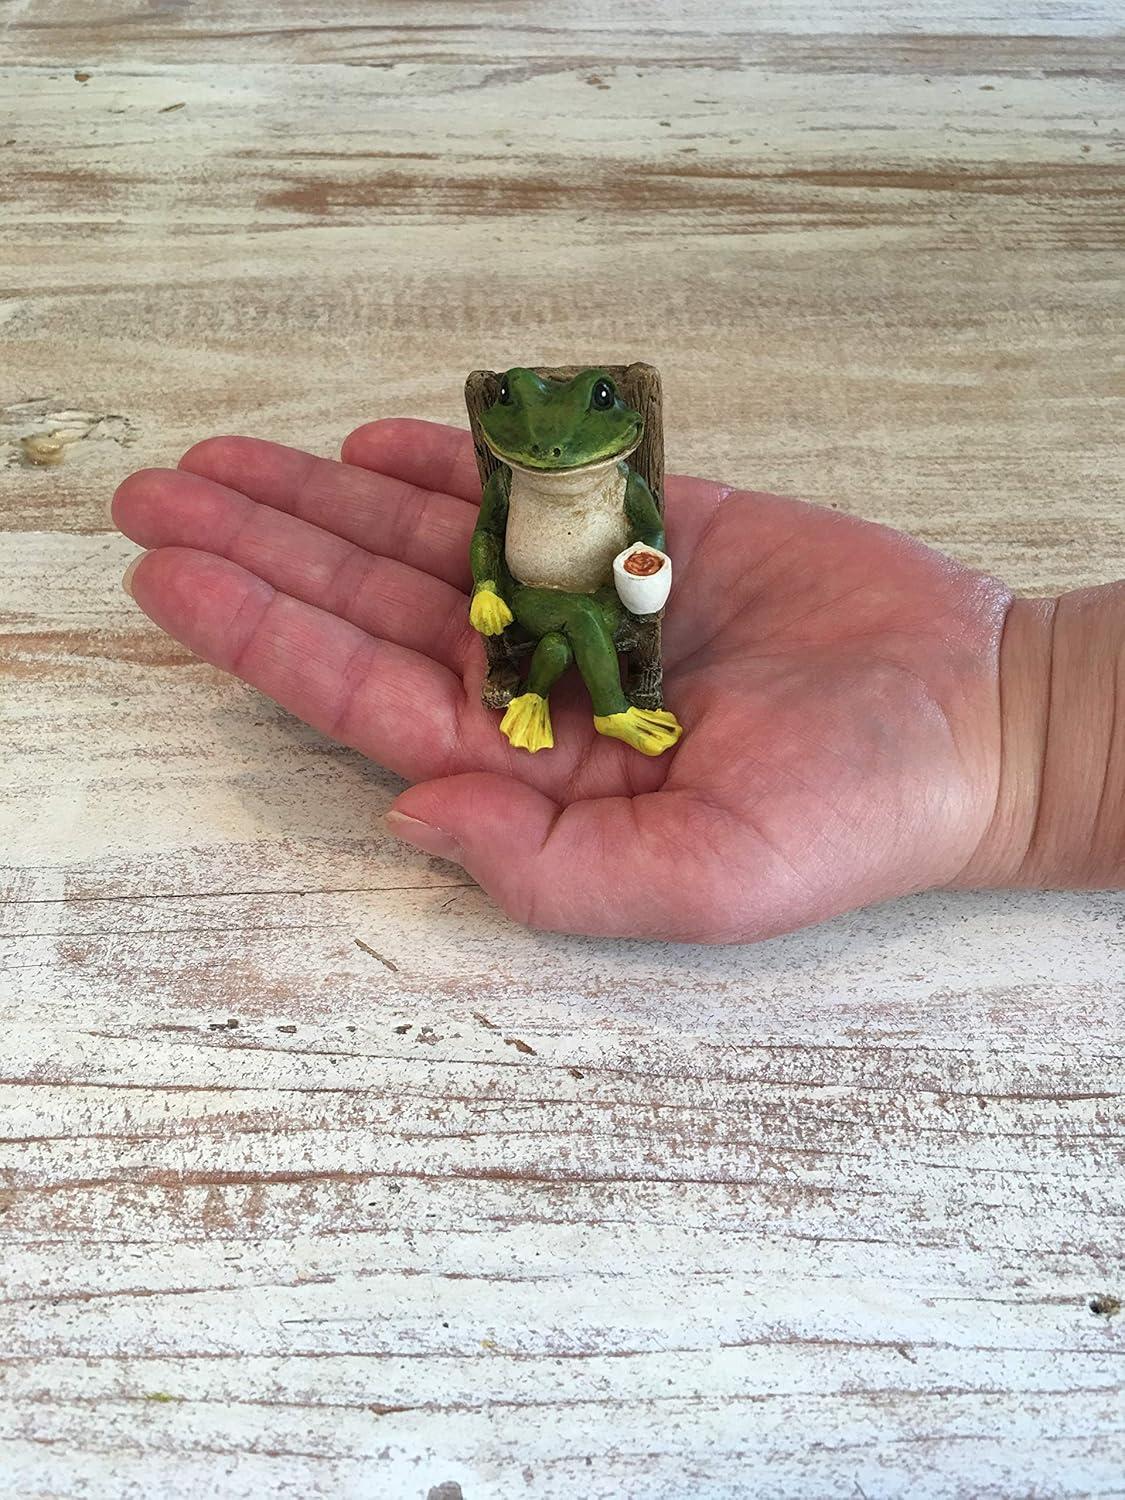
[{"x": 639, "y": 636}]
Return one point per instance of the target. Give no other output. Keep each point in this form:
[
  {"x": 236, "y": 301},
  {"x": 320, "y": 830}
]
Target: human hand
[{"x": 837, "y": 681}]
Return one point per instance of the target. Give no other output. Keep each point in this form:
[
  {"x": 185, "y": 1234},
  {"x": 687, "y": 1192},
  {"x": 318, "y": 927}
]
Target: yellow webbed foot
[
  {"x": 649, "y": 730},
  {"x": 527, "y": 723},
  {"x": 488, "y": 613}
]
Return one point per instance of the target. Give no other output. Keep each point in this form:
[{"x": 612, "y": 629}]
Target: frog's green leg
[
  {"x": 527, "y": 722},
  {"x": 587, "y": 622},
  {"x": 549, "y": 661}
]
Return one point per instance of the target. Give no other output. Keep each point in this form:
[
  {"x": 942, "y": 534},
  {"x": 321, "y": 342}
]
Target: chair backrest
[{"x": 638, "y": 383}]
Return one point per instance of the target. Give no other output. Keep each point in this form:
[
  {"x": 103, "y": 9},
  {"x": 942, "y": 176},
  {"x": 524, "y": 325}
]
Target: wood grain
[{"x": 318, "y": 1178}]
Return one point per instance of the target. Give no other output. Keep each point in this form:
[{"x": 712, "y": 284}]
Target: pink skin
[{"x": 837, "y": 682}]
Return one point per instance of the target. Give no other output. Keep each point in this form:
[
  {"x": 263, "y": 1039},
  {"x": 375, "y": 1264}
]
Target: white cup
[{"x": 642, "y": 593}]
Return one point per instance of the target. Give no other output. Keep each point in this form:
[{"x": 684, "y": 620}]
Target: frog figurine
[{"x": 562, "y": 506}]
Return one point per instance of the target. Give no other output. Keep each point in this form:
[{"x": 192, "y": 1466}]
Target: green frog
[{"x": 553, "y": 517}]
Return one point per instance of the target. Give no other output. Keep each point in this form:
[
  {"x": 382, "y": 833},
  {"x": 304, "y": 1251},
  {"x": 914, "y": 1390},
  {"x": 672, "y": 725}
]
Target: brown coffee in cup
[{"x": 643, "y": 564}]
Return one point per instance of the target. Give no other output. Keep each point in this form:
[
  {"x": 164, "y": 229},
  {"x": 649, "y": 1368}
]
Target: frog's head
[{"x": 559, "y": 424}]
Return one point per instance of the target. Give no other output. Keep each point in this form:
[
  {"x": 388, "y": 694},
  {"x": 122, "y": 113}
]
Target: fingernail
[
  {"x": 109, "y": 510},
  {"x": 424, "y": 836},
  {"x": 127, "y": 581}
]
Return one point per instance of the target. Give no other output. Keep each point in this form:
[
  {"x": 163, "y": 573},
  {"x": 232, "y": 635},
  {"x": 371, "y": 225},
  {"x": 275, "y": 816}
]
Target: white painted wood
[{"x": 317, "y": 1177}]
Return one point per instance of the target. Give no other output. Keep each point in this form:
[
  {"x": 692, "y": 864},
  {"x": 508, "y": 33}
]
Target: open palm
[{"x": 837, "y": 683}]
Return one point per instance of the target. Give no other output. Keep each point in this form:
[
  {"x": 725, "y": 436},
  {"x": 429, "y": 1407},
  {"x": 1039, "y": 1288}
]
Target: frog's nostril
[{"x": 557, "y": 452}]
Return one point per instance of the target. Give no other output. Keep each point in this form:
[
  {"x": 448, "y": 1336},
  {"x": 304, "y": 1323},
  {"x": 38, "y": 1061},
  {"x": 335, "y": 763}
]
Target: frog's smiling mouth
[{"x": 548, "y": 463}]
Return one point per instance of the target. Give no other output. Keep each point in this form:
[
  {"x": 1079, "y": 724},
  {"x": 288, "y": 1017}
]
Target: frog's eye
[
  {"x": 601, "y": 397},
  {"x": 505, "y": 396}
]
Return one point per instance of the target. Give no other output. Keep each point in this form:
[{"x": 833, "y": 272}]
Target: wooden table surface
[{"x": 319, "y": 1178}]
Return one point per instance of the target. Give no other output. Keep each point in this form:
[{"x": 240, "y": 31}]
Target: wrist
[{"x": 1059, "y": 816}]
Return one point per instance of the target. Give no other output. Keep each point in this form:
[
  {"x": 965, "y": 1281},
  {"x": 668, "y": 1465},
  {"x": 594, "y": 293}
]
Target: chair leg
[
  {"x": 502, "y": 677},
  {"x": 645, "y": 687},
  {"x": 644, "y": 684}
]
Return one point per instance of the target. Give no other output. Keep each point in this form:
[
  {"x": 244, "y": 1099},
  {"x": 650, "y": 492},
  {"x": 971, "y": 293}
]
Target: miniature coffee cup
[{"x": 643, "y": 577}]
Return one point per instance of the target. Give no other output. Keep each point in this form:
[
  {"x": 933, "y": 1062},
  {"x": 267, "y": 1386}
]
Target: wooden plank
[
  {"x": 52, "y": 33},
  {"x": 316, "y": 1176},
  {"x": 815, "y": 256}
]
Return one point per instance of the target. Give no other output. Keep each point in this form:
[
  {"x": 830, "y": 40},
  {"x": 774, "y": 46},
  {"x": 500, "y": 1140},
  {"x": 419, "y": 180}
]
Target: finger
[
  {"x": 427, "y": 454},
  {"x": 382, "y": 513},
  {"x": 386, "y": 598},
  {"x": 644, "y": 866},
  {"x": 394, "y": 705}
]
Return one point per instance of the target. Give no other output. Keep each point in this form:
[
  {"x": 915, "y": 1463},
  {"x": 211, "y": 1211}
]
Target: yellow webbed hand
[{"x": 488, "y": 613}]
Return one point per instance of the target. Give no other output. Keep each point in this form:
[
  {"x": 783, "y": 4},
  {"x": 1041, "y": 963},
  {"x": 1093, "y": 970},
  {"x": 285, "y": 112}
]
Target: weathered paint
[{"x": 317, "y": 1177}]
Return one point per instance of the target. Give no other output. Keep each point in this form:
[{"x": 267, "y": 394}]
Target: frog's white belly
[{"x": 564, "y": 530}]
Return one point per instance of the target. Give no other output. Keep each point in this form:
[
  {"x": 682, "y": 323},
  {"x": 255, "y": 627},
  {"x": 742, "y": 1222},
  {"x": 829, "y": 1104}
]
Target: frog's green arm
[
  {"x": 486, "y": 550},
  {"x": 644, "y": 518}
]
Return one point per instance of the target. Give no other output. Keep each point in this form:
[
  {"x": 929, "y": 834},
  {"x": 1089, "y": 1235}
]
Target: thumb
[
  {"x": 607, "y": 867},
  {"x": 493, "y": 826}
]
